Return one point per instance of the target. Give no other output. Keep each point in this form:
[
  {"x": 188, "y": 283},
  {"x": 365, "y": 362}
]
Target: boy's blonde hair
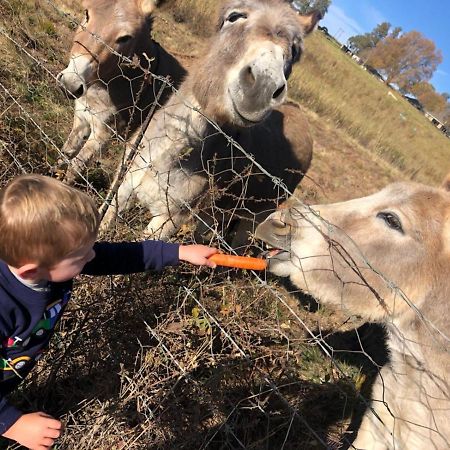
[{"x": 42, "y": 221}]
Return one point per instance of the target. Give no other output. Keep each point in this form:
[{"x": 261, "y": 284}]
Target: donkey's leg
[
  {"x": 178, "y": 191},
  {"x": 119, "y": 204},
  {"x": 100, "y": 134},
  {"x": 165, "y": 225},
  {"x": 79, "y": 134}
]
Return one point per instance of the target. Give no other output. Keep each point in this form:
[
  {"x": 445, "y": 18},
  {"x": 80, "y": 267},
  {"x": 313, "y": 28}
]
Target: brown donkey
[
  {"x": 111, "y": 96},
  {"x": 357, "y": 255},
  {"x": 241, "y": 84}
]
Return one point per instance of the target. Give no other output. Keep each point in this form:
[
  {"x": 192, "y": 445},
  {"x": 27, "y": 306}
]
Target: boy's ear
[{"x": 27, "y": 271}]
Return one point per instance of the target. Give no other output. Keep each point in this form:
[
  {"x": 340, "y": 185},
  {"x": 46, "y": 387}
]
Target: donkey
[
  {"x": 353, "y": 255},
  {"x": 110, "y": 96},
  {"x": 240, "y": 84}
]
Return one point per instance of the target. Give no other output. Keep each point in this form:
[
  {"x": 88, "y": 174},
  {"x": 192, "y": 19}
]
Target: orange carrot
[{"x": 239, "y": 262}]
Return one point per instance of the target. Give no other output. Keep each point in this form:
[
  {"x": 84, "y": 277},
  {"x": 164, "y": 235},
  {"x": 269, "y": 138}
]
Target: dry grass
[
  {"x": 336, "y": 88},
  {"x": 137, "y": 362}
]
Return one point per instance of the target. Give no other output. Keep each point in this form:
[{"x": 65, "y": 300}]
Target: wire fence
[{"x": 189, "y": 358}]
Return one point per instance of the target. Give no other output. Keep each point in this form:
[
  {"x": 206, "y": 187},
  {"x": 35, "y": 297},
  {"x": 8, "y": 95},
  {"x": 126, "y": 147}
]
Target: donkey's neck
[{"x": 183, "y": 113}]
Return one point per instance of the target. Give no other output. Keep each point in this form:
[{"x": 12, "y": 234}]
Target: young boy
[{"x": 47, "y": 237}]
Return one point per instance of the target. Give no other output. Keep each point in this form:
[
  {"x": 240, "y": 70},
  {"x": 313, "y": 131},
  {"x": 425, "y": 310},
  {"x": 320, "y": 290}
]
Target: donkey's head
[
  {"x": 110, "y": 28},
  {"x": 348, "y": 253},
  {"x": 244, "y": 75}
]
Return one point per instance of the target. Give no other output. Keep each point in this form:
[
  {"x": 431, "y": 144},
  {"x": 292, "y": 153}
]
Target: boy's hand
[
  {"x": 36, "y": 431},
  {"x": 197, "y": 254}
]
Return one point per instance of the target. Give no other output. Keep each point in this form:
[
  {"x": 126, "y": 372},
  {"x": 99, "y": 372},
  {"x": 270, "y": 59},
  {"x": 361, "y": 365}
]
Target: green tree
[
  {"x": 361, "y": 43},
  {"x": 405, "y": 60}
]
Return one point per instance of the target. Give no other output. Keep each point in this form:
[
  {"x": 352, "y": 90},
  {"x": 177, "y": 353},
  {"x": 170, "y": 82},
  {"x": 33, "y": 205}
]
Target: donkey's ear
[
  {"x": 309, "y": 21},
  {"x": 148, "y": 6}
]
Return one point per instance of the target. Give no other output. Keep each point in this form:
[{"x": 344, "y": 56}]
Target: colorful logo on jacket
[
  {"x": 13, "y": 364},
  {"x": 47, "y": 323},
  {"x": 49, "y": 320}
]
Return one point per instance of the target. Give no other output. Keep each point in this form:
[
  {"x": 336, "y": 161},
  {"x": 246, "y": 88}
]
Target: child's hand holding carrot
[
  {"x": 197, "y": 254},
  {"x": 202, "y": 255}
]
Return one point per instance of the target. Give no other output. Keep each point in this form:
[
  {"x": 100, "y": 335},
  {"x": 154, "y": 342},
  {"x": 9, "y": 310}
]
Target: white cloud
[
  {"x": 340, "y": 25},
  {"x": 372, "y": 16}
]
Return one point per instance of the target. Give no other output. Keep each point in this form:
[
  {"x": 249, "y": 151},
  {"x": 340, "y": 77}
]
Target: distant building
[
  {"x": 324, "y": 30},
  {"x": 345, "y": 49},
  {"x": 436, "y": 122},
  {"x": 374, "y": 72},
  {"x": 414, "y": 102}
]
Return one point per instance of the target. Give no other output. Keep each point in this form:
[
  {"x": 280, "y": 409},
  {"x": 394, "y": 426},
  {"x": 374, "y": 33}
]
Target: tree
[
  {"x": 306, "y": 6},
  {"x": 361, "y": 43},
  {"x": 405, "y": 60},
  {"x": 430, "y": 99},
  {"x": 447, "y": 116}
]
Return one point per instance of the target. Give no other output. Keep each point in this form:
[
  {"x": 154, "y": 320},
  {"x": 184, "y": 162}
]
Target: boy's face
[{"x": 70, "y": 266}]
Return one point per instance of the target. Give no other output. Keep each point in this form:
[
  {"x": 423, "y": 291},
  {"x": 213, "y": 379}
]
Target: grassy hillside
[
  {"x": 35, "y": 117},
  {"x": 337, "y": 88}
]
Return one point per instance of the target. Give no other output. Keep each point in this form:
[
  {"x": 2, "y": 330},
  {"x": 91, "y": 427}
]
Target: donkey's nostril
[
  {"x": 278, "y": 224},
  {"x": 278, "y": 92},
  {"x": 249, "y": 75},
  {"x": 79, "y": 92}
]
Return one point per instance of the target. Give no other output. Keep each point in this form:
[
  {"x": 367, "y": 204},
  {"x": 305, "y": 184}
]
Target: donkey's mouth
[
  {"x": 275, "y": 252},
  {"x": 247, "y": 121}
]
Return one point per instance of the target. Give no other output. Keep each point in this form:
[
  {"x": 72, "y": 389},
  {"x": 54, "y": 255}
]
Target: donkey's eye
[
  {"x": 234, "y": 16},
  {"x": 391, "y": 220},
  {"x": 124, "y": 39}
]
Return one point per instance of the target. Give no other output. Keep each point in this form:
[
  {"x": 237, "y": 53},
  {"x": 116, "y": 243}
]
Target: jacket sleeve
[
  {"x": 115, "y": 258},
  {"x": 8, "y": 415}
]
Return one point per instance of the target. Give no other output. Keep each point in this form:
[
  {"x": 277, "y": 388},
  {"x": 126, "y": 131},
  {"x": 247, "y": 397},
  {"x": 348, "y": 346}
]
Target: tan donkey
[
  {"x": 241, "y": 84},
  {"x": 386, "y": 258},
  {"x": 110, "y": 95}
]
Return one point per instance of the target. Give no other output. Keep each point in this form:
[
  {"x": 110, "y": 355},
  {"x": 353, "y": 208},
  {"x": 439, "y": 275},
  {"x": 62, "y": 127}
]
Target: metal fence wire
[{"x": 190, "y": 358}]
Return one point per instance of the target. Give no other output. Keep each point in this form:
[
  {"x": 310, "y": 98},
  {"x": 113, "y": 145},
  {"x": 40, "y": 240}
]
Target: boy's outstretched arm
[
  {"x": 114, "y": 258},
  {"x": 197, "y": 254},
  {"x": 36, "y": 431}
]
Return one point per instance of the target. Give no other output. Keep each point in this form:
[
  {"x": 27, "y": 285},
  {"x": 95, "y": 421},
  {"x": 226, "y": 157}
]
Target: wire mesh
[{"x": 187, "y": 358}]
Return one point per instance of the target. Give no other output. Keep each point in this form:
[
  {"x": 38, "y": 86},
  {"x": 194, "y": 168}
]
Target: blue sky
[{"x": 346, "y": 18}]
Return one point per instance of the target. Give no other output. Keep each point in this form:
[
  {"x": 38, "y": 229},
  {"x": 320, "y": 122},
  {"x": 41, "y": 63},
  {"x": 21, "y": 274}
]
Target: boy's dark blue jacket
[{"x": 28, "y": 317}]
